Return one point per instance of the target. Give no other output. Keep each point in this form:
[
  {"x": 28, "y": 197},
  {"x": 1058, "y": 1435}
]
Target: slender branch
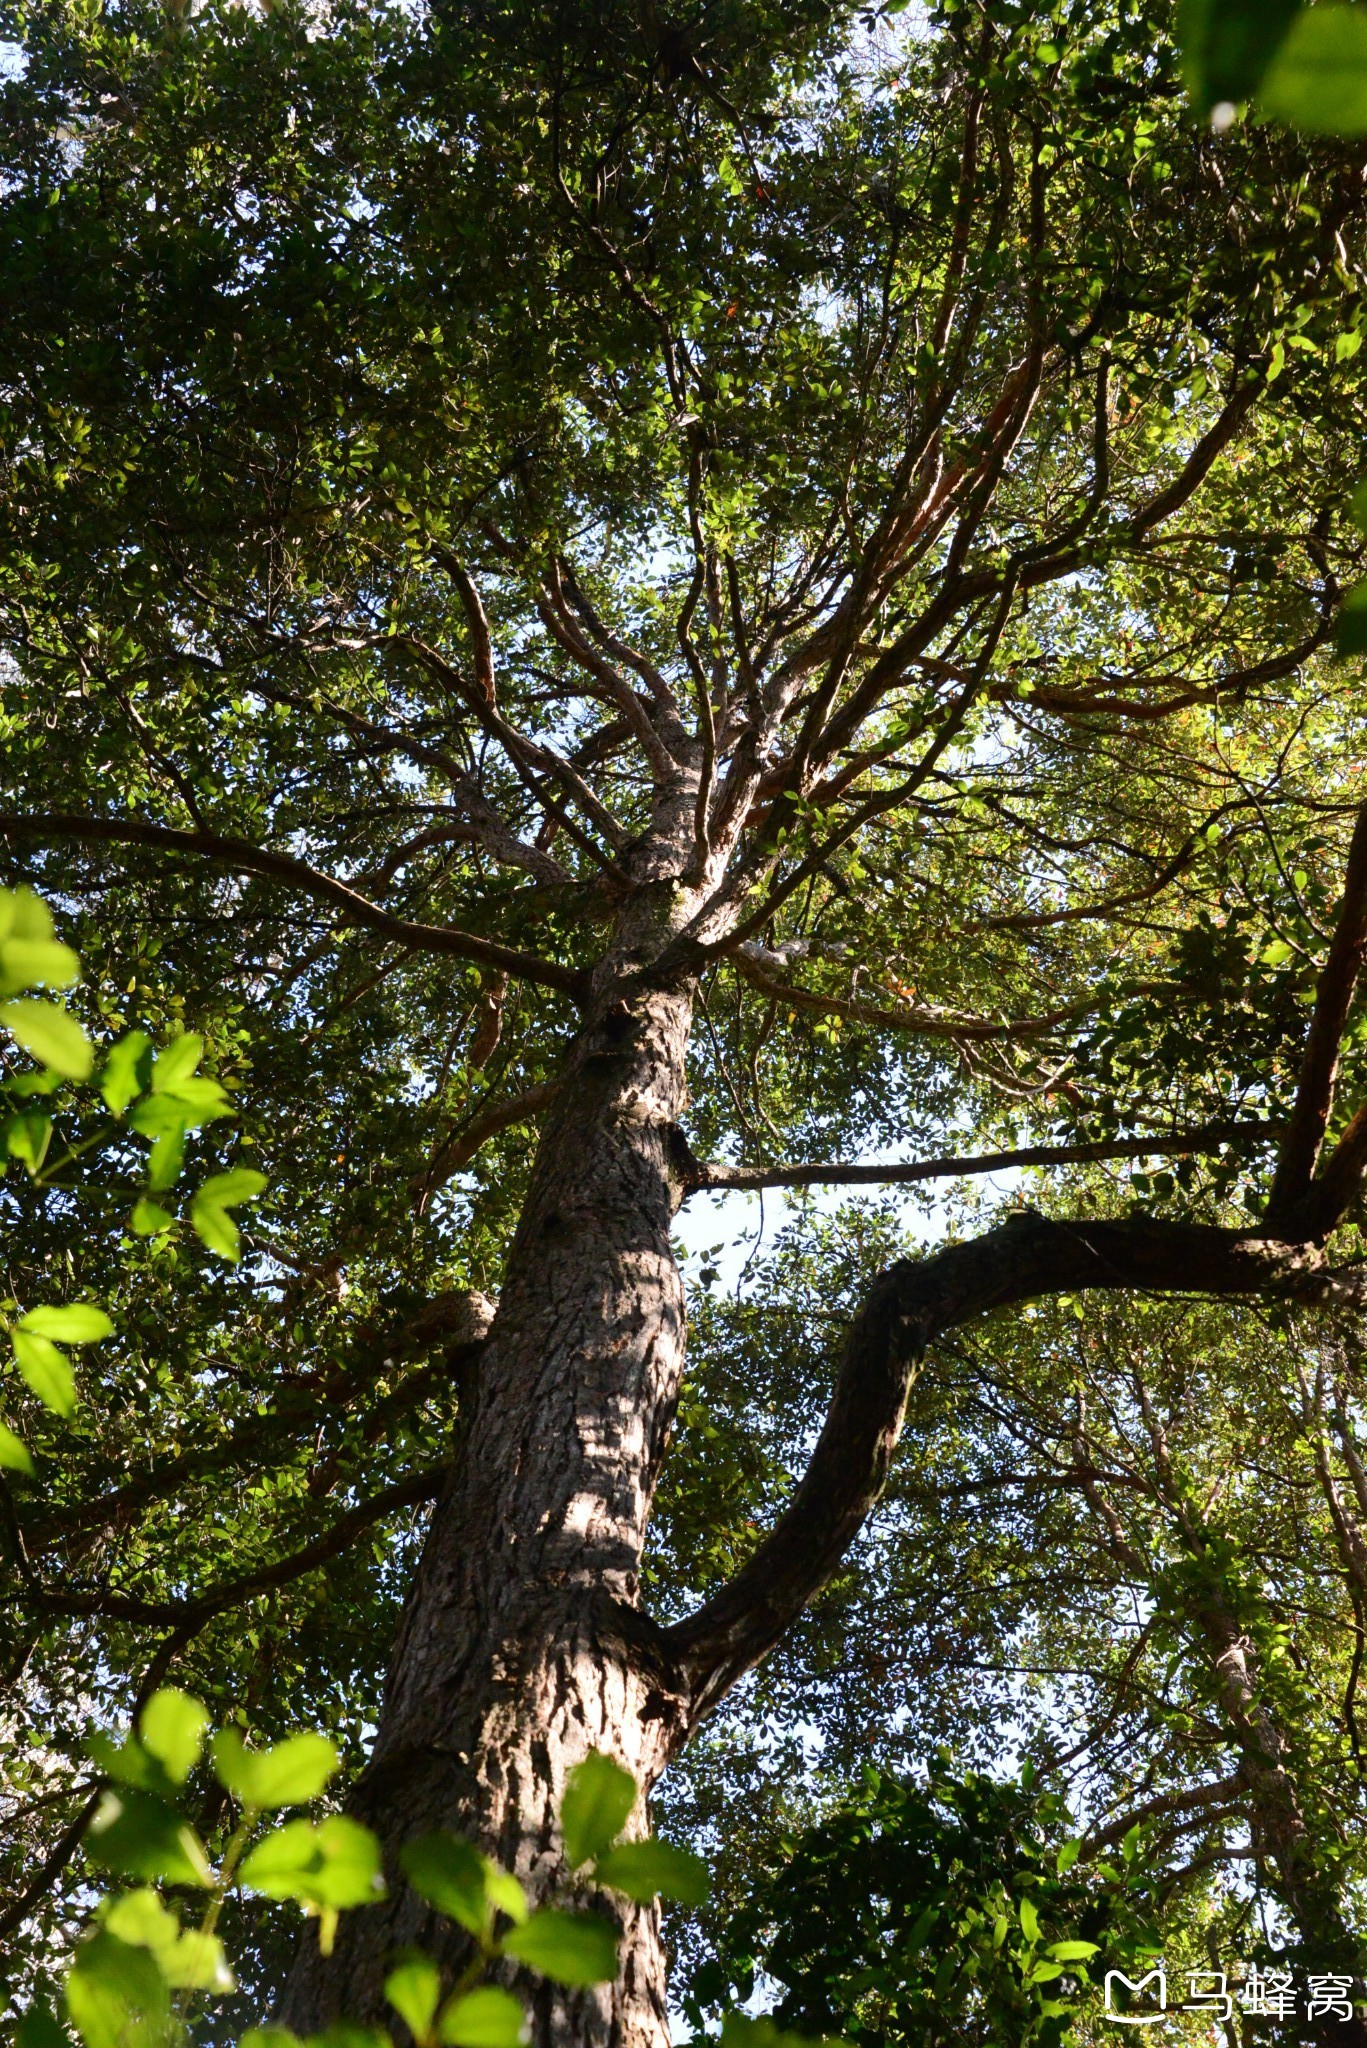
[
  {"x": 53, "y": 1864},
  {"x": 911, "y": 1304},
  {"x": 460, "y": 1148},
  {"x": 843, "y": 1173},
  {"x": 1186, "y": 1799},
  {"x": 418, "y": 1486},
  {"x": 282, "y": 867},
  {"x": 930, "y": 1023}
]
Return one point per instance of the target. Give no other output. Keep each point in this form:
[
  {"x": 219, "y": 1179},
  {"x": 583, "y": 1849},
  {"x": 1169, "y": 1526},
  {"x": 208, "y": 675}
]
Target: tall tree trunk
[{"x": 523, "y": 1646}]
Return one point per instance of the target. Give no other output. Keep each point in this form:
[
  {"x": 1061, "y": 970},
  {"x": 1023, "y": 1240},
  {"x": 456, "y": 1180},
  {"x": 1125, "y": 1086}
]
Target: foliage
[
  {"x": 137, "y": 1974},
  {"x": 316, "y": 322},
  {"x": 972, "y": 1918}
]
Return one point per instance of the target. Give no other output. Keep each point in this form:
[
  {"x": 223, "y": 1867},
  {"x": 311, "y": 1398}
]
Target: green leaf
[
  {"x": 1350, "y": 628},
  {"x": 1227, "y": 45},
  {"x": 347, "y": 2034},
  {"x": 599, "y": 1796},
  {"x": 177, "y": 1062},
  {"x": 199, "y": 1102},
  {"x": 1072, "y": 1951},
  {"x": 144, "y": 1919},
  {"x": 572, "y": 1948},
  {"x": 413, "y": 1988},
  {"x": 52, "y": 1035},
  {"x": 270, "y": 2037},
  {"x": 45, "y": 1372},
  {"x": 335, "y": 1864},
  {"x": 31, "y": 956},
  {"x": 739, "y": 2030},
  {"x": 289, "y": 1774},
  {"x": 141, "y": 1836},
  {"x": 1029, "y": 1920},
  {"x": 209, "y": 1208},
  {"x": 167, "y": 1158},
  {"x": 505, "y": 1893},
  {"x": 197, "y": 1963},
  {"x": 486, "y": 2018},
  {"x": 643, "y": 1870},
  {"x": 451, "y": 1875},
  {"x": 171, "y": 1727},
  {"x": 1318, "y": 78},
  {"x": 27, "y": 1138},
  {"x": 127, "y": 1070},
  {"x": 350, "y": 1874},
  {"x": 38, "y": 2029},
  {"x": 1068, "y": 1854},
  {"x": 149, "y": 1219},
  {"x": 14, "y": 1455},
  {"x": 116, "y": 1997},
  {"x": 79, "y": 1322},
  {"x": 128, "y": 1763},
  {"x": 1274, "y": 953}
]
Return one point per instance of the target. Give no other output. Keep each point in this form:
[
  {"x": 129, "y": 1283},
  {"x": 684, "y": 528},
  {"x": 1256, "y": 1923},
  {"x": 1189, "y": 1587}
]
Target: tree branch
[
  {"x": 843, "y": 1173},
  {"x": 418, "y": 1486},
  {"x": 282, "y": 867},
  {"x": 1319, "y": 1063},
  {"x": 912, "y": 1303}
]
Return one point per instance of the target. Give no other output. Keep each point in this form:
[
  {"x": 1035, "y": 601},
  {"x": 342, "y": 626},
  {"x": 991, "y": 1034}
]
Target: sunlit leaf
[
  {"x": 78, "y": 1322},
  {"x": 141, "y": 1836},
  {"x": 127, "y": 1070},
  {"x": 116, "y": 1996},
  {"x": 290, "y": 1774},
  {"x": 171, "y": 1726},
  {"x": 487, "y": 2018},
  {"x": 599, "y": 1796},
  {"x": 52, "y": 1035},
  {"x": 413, "y": 1988},
  {"x": 1318, "y": 78},
  {"x": 209, "y": 1208},
  {"x": 646, "y": 1870},
  {"x": 572, "y": 1948},
  {"x": 14, "y": 1453},
  {"x": 45, "y": 1372},
  {"x": 451, "y": 1875}
]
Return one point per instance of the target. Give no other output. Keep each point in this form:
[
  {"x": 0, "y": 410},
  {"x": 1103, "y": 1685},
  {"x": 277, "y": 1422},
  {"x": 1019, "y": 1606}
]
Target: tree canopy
[{"x": 616, "y": 608}]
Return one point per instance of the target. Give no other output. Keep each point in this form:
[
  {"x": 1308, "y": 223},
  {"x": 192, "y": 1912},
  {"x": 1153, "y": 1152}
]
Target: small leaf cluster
[
  {"x": 135, "y": 1975},
  {"x": 158, "y": 1095}
]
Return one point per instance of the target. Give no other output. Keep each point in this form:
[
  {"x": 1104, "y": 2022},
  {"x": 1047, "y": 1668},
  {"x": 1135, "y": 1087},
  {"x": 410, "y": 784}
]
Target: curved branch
[
  {"x": 910, "y": 1305},
  {"x": 282, "y": 867}
]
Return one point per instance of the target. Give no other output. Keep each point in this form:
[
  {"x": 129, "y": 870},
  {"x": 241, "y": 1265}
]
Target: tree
[{"x": 527, "y": 533}]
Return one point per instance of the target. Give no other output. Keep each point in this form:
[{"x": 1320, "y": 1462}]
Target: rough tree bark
[{"x": 523, "y": 1645}]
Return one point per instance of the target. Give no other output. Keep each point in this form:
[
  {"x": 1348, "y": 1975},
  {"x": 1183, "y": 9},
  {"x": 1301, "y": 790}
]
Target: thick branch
[
  {"x": 1319, "y": 1063},
  {"x": 282, "y": 867},
  {"x": 910, "y": 1305}
]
